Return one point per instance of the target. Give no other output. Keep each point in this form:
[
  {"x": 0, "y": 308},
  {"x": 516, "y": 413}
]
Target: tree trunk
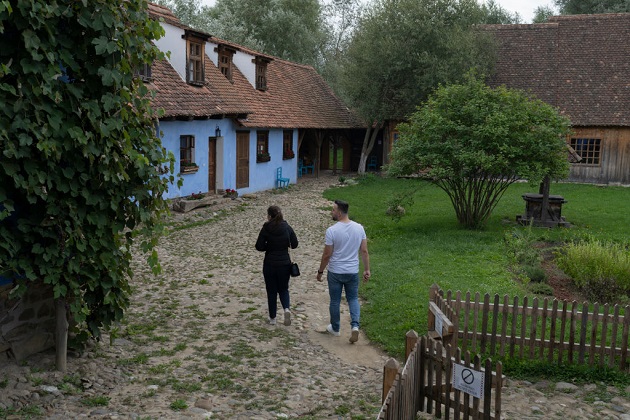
[
  {"x": 61, "y": 335},
  {"x": 544, "y": 207},
  {"x": 368, "y": 145}
]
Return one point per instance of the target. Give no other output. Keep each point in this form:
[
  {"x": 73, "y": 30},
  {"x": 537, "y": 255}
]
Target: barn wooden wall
[{"x": 615, "y": 156}]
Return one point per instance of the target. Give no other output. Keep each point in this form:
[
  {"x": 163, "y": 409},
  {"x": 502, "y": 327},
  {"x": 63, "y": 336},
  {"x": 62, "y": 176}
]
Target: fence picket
[
  {"x": 552, "y": 332},
  {"x": 466, "y": 395},
  {"x": 593, "y": 343},
  {"x": 448, "y": 380},
  {"x": 533, "y": 328},
  {"x": 464, "y": 343},
  {"x": 484, "y": 322},
  {"x": 475, "y": 321},
  {"x": 476, "y": 401},
  {"x": 514, "y": 323},
  {"x": 423, "y": 368},
  {"x": 543, "y": 329},
  {"x": 487, "y": 402},
  {"x": 504, "y": 321},
  {"x": 457, "y": 394},
  {"x": 563, "y": 324},
  {"x": 430, "y": 367},
  {"x": 572, "y": 328},
  {"x": 438, "y": 380},
  {"x": 495, "y": 320},
  {"x": 583, "y": 332},
  {"x": 521, "y": 342},
  {"x": 602, "y": 348},
  {"x": 613, "y": 337}
]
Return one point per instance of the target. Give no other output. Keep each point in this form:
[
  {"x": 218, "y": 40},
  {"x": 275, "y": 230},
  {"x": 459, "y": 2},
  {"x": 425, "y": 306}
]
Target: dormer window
[
  {"x": 144, "y": 72},
  {"x": 225, "y": 61},
  {"x": 261, "y": 73},
  {"x": 195, "y": 52},
  {"x": 195, "y": 62}
]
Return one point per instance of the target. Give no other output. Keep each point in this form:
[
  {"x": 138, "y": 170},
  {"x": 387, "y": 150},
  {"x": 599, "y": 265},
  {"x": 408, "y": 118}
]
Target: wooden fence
[
  {"x": 554, "y": 331},
  {"x": 425, "y": 384}
]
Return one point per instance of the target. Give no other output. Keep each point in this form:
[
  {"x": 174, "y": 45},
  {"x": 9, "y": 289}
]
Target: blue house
[{"x": 233, "y": 116}]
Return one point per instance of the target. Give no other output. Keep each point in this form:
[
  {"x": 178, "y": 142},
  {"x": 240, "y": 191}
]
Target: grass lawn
[{"x": 428, "y": 246}]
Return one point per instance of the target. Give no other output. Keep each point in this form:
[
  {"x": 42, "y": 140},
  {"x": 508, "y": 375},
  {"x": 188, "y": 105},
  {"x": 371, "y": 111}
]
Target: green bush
[
  {"x": 520, "y": 245},
  {"x": 601, "y": 269},
  {"x": 541, "y": 289},
  {"x": 535, "y": 273}
]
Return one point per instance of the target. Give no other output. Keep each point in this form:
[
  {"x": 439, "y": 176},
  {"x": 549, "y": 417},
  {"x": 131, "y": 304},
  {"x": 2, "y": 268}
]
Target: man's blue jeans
[{"x": 336, "y": 283}]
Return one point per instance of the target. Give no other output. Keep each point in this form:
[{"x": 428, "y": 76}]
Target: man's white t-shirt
[{"x": 345, "y": 239}]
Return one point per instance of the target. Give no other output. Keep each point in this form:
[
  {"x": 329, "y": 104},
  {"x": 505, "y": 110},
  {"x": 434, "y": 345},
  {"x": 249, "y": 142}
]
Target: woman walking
[{"x": 275, "y": 238}]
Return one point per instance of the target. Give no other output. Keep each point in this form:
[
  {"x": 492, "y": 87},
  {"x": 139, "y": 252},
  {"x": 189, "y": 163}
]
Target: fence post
[
  {"x": 411, "y": 339},
  {"x": 389, "y": 376}
]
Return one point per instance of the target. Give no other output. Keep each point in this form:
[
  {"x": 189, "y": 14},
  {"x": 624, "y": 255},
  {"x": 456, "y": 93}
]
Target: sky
[{"x": 525, "y": 8}]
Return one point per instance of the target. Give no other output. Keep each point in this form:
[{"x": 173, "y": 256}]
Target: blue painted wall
[{"x": 262, "y": 176}]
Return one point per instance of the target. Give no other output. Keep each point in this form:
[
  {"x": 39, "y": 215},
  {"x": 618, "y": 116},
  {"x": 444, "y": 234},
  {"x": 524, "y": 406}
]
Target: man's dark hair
[{"x": 342, "y": 206}]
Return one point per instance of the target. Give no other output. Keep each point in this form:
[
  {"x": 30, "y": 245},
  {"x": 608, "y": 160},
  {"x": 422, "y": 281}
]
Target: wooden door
[
  {"x": 212, "y": 165},
  {"x": 242, "y": 159}
]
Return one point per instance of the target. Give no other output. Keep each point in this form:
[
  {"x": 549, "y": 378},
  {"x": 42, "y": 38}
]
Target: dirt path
[{"x": 196, "y": 342}]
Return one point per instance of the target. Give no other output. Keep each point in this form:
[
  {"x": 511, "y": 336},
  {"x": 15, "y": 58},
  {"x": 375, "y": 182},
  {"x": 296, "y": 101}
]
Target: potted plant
[
  {"x": 196, "y": 196},
  {"x": 263, "y": 157},
  {"x": 288, "y": 154},
  {"x": 230, "y": 193}
]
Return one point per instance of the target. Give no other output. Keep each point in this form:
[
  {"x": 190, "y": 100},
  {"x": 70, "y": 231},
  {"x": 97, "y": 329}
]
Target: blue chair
[
  {"x": 305, "y": 168},
  {"x": 281, "y": 182},
  {"x": 300, "y": 167},
  {"x": 372, "y": 163}
]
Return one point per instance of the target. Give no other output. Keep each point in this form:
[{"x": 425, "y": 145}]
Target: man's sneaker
[
  {"x": 330, "y": 330},
  {"x": 354, "y": 335},
  {"x": 287, "y": 317},
  {"x": 272, "y": 321}
]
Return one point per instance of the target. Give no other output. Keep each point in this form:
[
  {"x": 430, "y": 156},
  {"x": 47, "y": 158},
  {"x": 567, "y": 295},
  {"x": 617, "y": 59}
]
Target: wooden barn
[{"x": 581, "y": 65}]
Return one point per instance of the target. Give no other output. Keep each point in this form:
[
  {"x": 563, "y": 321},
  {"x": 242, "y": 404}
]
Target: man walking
[{"x": 344, "y": 241}]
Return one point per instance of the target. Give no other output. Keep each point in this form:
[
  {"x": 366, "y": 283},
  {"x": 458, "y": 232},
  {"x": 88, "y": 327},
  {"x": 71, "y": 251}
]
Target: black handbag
[{"x": 295, "y": 270}]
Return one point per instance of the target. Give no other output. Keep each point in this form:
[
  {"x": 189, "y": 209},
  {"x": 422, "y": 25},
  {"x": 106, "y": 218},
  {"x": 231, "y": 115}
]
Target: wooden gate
[{"x": 425, "y": 384}]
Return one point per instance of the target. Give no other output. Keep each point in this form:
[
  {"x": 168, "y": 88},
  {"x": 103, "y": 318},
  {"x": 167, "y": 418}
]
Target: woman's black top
[{"x": 275, "y": 240}]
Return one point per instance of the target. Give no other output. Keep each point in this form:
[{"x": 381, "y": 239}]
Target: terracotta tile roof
[
  {"x": 579, "y": 63},
  {"x": 180, "y": 99},
  {"x": 296, "y": 96}
]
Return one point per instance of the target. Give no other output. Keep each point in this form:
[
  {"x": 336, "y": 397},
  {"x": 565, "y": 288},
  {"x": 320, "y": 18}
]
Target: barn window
[{"x": 588, "y": 149}]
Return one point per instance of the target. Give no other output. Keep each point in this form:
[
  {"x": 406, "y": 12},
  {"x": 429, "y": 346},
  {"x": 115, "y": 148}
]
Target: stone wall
[{"x": 27, "y": 325}]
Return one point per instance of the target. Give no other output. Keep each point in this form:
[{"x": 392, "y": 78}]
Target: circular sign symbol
[{"x": 468, "y": 376}]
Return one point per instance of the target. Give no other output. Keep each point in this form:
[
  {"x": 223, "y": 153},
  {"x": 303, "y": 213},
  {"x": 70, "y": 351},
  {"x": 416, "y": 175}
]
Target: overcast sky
[{"x": 525, "y": 8}]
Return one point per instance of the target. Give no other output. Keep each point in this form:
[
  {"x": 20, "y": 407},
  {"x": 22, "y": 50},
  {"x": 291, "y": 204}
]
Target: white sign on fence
[{"x": 468, "y": 380}]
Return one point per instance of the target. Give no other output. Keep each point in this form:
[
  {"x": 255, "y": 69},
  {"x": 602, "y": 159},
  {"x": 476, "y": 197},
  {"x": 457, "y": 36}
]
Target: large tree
[
  {"x": 473, "y": 141},
  {"x": 290, "y": 29},
  {"x": 402, "y": 50},
  {"x": 580, "y": 7},
  {"x": 80, "y": 160}
]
